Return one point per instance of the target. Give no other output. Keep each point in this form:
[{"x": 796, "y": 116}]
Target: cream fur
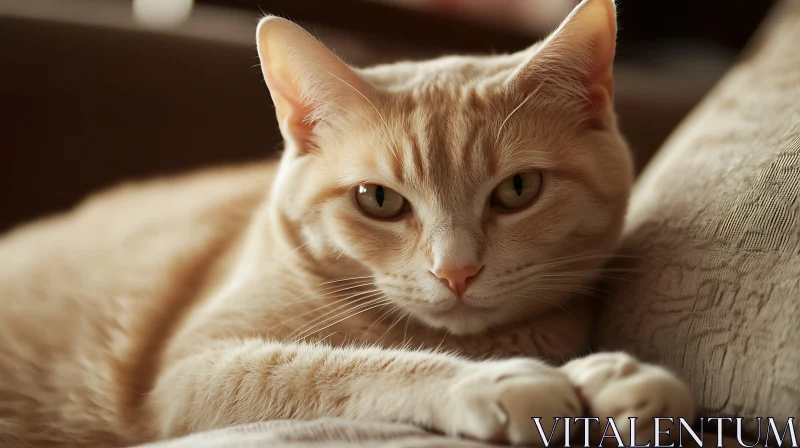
[{"x": 168, "y": 307}]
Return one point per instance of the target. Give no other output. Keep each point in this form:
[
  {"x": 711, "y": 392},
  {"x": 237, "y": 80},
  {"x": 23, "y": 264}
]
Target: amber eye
[
  {"x": 380, "y": 202},
  {"x": 518, "y": 190}
]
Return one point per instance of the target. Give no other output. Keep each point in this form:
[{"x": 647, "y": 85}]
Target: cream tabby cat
[{"x": 460, "y": 206}]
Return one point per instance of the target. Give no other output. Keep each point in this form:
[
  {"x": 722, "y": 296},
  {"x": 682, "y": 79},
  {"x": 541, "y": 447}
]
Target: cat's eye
[
  {"x": 380, "y": 202},
  {"x": 518, "y": 190}
]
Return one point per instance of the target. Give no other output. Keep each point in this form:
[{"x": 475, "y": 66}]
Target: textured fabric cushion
[
  {"x": 710, "y": 261},
  {"x": 327, "y": 433},
  {"x": 335, "y": 433}
]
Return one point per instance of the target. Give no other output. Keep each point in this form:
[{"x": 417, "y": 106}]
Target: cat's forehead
[
  {"x": 444, "y": 74},
  {"x": 446, "y": 129},
  {"x": 449, "y": 149}
]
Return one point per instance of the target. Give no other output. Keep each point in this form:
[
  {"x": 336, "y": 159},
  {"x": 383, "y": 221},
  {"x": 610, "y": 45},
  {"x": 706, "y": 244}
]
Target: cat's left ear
[{"x": 577, "y": 58}]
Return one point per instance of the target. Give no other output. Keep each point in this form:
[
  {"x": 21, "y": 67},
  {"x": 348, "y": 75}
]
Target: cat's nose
[{"x": 457, "y": 279}]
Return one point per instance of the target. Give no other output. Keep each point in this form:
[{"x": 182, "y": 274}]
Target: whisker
[
  {"x": 588, "y": 257},
  {"x": 314, "y": 310},
  {"x": 357, "y": 297},
  {"x": 630, "y": 281},
  {"x": 300, "y": 246},
  {"x": 346, "y": 279},
  {"x": 322, "y": 320},
  {"x": 530, "y": 95},
  {"x": 380, "y": 302},
  {"x": 395, "y": 322},
  {"x": 405, "y": 330},
  {"x": 597, "y": 271},
  {"x": 511, "y": 302},
  {"x": 353, "y": 297},
  {"x": 576, "y": 291},
  {"x": 323, "y": 296},
  {"x": 582, "y": 288},
  {"x": 441, "y": 343},
  {"x": 380, "y": 318},
  {"x": 385, "y": 123}
]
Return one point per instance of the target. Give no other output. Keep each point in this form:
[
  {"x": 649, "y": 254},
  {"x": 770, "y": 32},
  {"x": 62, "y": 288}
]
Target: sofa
[{"x": 711, "y": 248}]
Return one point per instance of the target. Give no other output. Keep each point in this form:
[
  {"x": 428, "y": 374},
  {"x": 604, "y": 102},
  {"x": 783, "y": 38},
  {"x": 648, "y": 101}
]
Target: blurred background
[{"x": 95, "y": 92}]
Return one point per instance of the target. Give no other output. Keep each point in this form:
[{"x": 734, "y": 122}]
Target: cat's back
[
  {"x": 134, "y": 224},
  {"x": 77, "y": 287}
]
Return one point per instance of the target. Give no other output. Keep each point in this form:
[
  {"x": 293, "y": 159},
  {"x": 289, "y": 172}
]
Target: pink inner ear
[
  {"x": 600, "y": 82},
  {"x": 599, "y": 99},
  {"x": 601, "y": 88},
  {"x": 291, "y": 112}
]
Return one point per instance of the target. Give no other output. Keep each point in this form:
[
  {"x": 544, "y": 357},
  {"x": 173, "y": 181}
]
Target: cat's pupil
[
  {"x": 379, "y": 195},
  {"x": 518, "y": 184}
]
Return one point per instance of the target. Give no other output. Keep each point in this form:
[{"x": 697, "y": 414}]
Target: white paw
[
  {"x": 618, "y": 386},
  {"x": 494, "y": 401}
]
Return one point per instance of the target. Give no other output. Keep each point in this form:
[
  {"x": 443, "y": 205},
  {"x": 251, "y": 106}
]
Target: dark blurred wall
[
  {"x": 88, "y": 99},
  {"x": 727, "y": 23},
  {"x": 84, "y": 107}
]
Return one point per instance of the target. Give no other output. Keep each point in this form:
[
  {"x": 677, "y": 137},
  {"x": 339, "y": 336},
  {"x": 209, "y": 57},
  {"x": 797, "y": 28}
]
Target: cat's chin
[{"x": 459, "y": 321}]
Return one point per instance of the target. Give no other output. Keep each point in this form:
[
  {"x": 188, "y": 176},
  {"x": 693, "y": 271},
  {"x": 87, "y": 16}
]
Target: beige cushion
[
  {"x": 338, "y": 433},
  {"x": 709, "y": 279},
  {"x": 323, "y": 433}
]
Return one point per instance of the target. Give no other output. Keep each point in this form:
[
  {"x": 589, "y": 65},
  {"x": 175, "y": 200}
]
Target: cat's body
[
  {"x": 173, "y": 306},
  {"x": 83, "y": 347},
  {"x": 88, "y": 299}
]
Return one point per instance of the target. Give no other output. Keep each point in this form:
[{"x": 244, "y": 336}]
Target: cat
[{"x": 428, "y": 238}]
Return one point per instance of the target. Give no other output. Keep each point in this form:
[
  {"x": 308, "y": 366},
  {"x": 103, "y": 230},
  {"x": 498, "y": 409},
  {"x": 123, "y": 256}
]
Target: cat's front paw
[
  {"x": 618, "y": 386},
  {"x": 494, "y": 401}
]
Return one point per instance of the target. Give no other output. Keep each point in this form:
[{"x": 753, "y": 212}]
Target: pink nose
[{"x": 457, "y": 279}]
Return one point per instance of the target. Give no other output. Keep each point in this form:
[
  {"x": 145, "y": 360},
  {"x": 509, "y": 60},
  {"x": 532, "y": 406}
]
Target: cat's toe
[
  {"x": 498, "y": 401},
  {"x": 617, "y": 386}
]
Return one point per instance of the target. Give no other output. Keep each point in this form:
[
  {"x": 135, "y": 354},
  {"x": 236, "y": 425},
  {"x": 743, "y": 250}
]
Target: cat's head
[{"x": 475, "y": 190}]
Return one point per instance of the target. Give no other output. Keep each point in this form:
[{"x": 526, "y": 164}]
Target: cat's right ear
[{"x": 308, "y": 83}]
